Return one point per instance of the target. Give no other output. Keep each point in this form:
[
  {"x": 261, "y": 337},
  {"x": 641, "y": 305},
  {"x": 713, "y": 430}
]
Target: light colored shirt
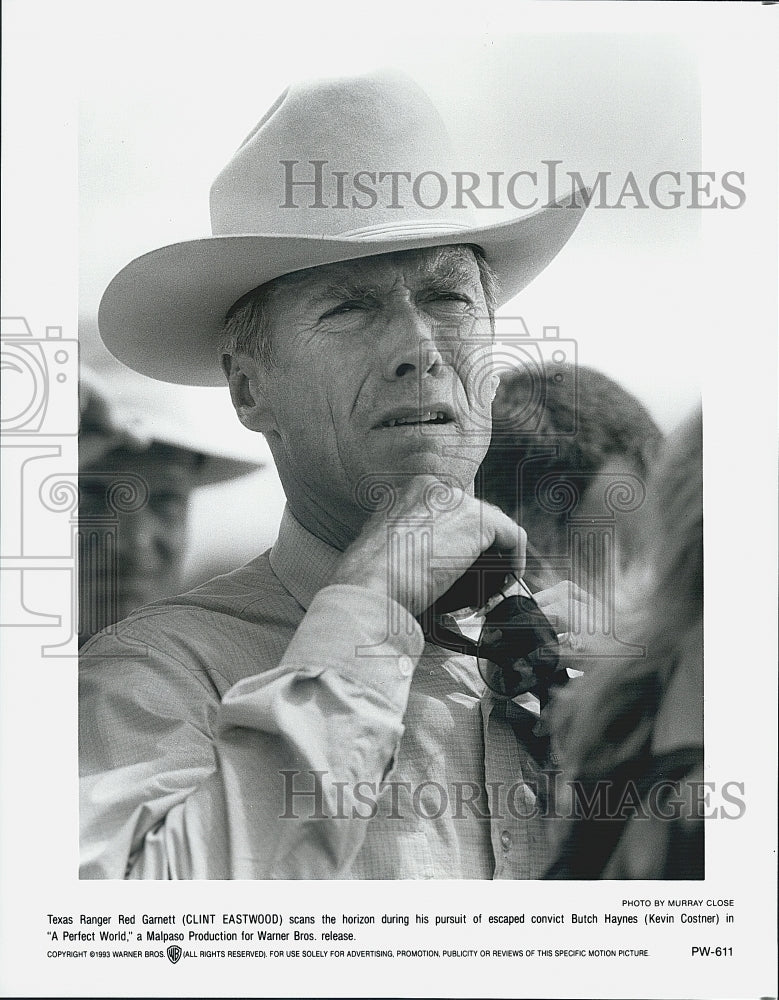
[{"x": 268, "y": 725}]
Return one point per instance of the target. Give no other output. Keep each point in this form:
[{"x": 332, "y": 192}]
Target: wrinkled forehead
[{"x": 449, "y": 264}]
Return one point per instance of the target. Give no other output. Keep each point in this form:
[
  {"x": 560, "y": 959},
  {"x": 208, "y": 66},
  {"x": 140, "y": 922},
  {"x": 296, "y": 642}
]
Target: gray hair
[{"x": 247, "y": 326}]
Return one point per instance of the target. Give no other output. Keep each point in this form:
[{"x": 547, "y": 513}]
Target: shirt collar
[{"x": 301, "y": 561}]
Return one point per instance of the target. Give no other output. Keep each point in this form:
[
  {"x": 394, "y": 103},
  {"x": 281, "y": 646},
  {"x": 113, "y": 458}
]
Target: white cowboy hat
[
  {"x": 162, "y": 313},
  {"x": 137, "y": 414}
]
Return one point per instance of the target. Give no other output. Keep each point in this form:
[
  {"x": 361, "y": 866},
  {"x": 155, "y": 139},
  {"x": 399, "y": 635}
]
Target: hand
[
  {"x": 433, "y": 536},
  {"x": 568, "y": 608}
]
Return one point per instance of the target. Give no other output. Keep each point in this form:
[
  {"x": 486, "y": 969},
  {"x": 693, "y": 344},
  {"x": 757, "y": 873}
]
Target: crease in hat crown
[
  {"x": 162, "y": 313},
  {"x": 285, "y": 175}
]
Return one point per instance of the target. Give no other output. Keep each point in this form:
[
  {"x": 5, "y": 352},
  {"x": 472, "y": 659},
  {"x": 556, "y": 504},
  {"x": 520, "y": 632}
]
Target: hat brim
[
  {"x": 209, "y": 471},
  {"x": 162, "y": 313},
  {"x": 219, "y": 469},
  {"x": 119, "y": 411}
]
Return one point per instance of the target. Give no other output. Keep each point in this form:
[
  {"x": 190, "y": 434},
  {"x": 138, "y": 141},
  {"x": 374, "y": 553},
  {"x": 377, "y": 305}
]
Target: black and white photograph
[{"x": 378, "y": 389}]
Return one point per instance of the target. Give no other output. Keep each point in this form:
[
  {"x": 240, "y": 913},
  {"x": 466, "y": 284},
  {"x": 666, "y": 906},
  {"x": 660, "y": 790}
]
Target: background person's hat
[
  {"x": 162, "y": 313},
  {"x": 136, "y": 414}
]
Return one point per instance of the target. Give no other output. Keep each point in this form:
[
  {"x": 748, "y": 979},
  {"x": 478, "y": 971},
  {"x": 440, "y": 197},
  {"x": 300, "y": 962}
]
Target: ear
[{"x": 247, "y": 380}]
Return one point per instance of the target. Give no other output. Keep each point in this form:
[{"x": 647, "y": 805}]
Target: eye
[
  {"x": 449, "y": 302},
  {"x": 343, "y": 308},
  {"x": 168, "y": 504}
]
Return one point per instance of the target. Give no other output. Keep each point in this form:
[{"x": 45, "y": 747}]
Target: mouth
[{"x": 408, "y": 417}]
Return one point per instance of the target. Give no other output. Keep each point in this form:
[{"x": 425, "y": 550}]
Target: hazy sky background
[{"x": 166, "y": 98}]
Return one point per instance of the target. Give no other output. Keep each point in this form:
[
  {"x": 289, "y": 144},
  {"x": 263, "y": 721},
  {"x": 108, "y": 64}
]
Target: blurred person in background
[
  {"x": 631, "y": 742},
  {"x": 139, "y": 464},
  {"x": 565, "y": 437}
]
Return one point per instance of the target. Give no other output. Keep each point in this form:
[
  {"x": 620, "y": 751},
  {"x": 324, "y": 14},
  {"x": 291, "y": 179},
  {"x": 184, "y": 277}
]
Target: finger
[
  {"x": 507, "y": 537},
  {"x": 571, "y": 643},
  {"x": 572, "y": 654},
  {"x": 558, "y": 623},
  {"x": 563, "y": 608},
  {"x": 560, "y": 617},
  {"x": 561, "y": 595}
]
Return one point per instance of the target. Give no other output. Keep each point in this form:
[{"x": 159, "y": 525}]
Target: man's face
[
  {"x": 133, "y": 523},
  {"x": 381, "y": 368}
]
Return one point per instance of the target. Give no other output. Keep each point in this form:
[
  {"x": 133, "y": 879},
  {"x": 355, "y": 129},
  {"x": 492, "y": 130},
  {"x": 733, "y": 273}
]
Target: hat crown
[
  {"x": 341, "y": 156},
  {"x": 272, "y": 213}
]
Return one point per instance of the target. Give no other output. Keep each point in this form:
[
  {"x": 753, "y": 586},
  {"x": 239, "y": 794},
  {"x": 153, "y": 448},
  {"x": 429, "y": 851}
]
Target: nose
[
  {"x": 137, "y": 540},
  {"x": 411, "y": 343}
]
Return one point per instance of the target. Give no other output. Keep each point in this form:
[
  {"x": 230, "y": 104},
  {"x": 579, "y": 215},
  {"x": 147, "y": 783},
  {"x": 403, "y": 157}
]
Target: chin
[
  {"x": 454, "y": 461},
  {"x": 449, "y": 470}
]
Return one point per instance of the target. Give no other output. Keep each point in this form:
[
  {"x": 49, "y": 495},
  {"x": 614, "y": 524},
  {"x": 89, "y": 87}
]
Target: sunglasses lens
[
  {"x": 517, "y": 649},
  {"x": 508, "y": 680}
]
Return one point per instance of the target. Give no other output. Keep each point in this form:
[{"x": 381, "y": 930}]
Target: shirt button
[
  {"x": 405, "y": 666},
  {"x": 505, "y": 839}
]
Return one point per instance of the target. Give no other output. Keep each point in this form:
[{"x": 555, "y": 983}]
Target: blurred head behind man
[
  {"x": 136, "y": 476},
  {"x": 582, "y": 467}
]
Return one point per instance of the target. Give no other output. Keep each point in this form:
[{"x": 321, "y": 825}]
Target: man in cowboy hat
[
  {"x": 139, "y": 464},
  {"x": 291, "y": 719}
]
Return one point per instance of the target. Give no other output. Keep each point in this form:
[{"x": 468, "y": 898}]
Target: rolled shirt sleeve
[{"x": 179, "y": 780}]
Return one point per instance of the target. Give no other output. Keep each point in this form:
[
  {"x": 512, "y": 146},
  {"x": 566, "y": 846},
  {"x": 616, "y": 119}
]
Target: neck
[
  {"x": 334, "y": 528},
  {"x": 336, "y": 524}
]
